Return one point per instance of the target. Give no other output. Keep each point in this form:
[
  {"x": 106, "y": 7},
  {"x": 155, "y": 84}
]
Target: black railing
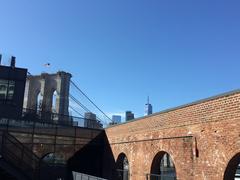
[
  {"x": 81, "y": 176},
  {"x": 34, "y": 130},
  {"x": 59, "y": 119},
  {"x": 50, "y": 134},
  {"x": 170, "y": 175},
  {"x": 122, "y": 174},
  {"x": 19, "y": 156}
]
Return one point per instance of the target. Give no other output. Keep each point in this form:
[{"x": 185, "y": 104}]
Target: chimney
[{"x": 13, "y": 61}]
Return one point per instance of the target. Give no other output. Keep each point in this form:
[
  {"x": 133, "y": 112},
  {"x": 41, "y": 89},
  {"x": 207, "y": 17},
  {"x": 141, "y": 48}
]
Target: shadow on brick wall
[{"x": 95, "y": 158}]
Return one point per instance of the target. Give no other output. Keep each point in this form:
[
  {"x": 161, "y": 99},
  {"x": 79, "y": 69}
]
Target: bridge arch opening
[
  {"x": 233, "y": 168},
  {"x": 54, "y": 101},
  {"x": 122, "y": 167},
  {"x": 39, "y": 101},
  {"x": 162, "y": 167}
]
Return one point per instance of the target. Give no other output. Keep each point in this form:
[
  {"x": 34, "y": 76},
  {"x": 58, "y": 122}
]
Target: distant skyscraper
[
  {"x": 148, "y": 108},
  {"x": 129, "y": 115},
  {"x": 90, "y": 116},
  {"x": 90, "y": 120},
  {"x": 116, "y": 119}
]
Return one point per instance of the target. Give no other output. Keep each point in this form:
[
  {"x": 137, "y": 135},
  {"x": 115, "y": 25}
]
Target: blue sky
[{"x": 119, "y": 52}]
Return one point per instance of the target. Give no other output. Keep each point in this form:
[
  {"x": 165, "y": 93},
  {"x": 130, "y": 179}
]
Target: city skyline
[{"x": 120, "y": 52}]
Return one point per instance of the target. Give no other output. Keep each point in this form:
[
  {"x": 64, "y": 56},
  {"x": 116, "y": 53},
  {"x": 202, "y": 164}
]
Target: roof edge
[{"x": 229, "y": 93}]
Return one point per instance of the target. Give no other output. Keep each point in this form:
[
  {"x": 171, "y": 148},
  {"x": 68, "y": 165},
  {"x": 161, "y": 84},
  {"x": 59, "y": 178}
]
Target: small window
[
  {"x": 3, "y": 87},
  {"x": 6, "y": 89}
]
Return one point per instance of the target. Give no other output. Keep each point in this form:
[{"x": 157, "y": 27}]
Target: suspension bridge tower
[{"x": 48, "y": 92}]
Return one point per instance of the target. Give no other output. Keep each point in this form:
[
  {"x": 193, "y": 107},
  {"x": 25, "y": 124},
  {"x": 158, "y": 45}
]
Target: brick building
[{"x": 202, "y": 139}]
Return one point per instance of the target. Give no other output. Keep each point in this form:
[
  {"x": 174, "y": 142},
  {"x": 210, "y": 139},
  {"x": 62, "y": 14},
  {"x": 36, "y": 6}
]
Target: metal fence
[
  {"x": 50, "y": 135},
  {"x": 122, "y": 174},
  {"x": 60, "y": 119},
  {"x": 161, "y": 177},
  {"x": 20, "y": 156},
  {"x": 48, "y": 130},
  {"x": 81, "y": 176},
  {"x": 26, "y": 162},
  {"x": 237, "y": 174}
]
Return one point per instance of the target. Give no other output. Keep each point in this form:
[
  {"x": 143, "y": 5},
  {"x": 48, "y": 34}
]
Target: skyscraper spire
[{"x": 148, "y": 108}]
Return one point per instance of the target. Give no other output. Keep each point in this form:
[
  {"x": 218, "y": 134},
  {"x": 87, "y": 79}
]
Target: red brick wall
[{"x": 211, "y": 125}]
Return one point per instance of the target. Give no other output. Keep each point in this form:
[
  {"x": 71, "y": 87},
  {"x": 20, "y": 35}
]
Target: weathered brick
[{"x": 211, "y": 125}]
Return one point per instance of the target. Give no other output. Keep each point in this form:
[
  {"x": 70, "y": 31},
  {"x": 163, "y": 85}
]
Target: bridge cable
[
  {"x": 82, "y": 106},
  {"x": 76, "y": 111},
  {"x": 78, "y": 102},
  {"x": 89, "y": 99}
]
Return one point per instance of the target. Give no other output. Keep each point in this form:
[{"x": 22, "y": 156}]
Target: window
[{"x": 6, "y": 89}]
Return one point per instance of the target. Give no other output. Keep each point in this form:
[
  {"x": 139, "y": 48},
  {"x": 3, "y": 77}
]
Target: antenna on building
[{"x": 148, "y": 108}]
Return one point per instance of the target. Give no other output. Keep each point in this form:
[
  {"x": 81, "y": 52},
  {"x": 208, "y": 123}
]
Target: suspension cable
[
  {"x": 89, "y": 99},
  {"x": 76, "y": 111},
  {"x": 82, "y": 106}
]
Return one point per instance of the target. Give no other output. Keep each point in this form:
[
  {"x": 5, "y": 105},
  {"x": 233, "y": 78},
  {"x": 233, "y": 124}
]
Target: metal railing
[
  {"x": 167, "y": 176},
  {"x": 122, "y": 174},
  {"x": 81, "y": 176},
  {"x": 24, "y": 160},
  {"x": 60, "y": 119},
  {"x": 49, "y": 134},
  {"x": 34, "y": 129},
  {"x": 19, "y": 156}
]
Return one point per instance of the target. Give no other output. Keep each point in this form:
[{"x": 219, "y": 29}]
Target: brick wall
[{"x": 209, "y": 129}]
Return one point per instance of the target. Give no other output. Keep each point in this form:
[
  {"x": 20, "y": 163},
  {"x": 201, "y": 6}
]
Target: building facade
[
  {"x": 90, "y": 120},
  {"x": 12, "y": 84},
  {"x": 116, "y": 119},
  {"x": 129, "y": 115}
]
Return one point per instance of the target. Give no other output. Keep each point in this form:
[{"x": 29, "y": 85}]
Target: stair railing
[{"x": 19, "y": 156}]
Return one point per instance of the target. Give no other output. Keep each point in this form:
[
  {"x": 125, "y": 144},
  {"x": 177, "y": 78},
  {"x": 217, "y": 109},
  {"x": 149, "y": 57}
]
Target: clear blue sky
[{"x": 119, "y": 52}]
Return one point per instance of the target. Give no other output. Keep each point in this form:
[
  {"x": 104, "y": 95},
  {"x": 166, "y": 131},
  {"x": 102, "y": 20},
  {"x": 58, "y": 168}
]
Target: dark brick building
[{"x": 12, "y": 85}]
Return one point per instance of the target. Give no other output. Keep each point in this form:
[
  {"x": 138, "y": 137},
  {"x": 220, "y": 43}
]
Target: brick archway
[
  {"x": 122, "y": 167},
  {"x": 162, "y": 165},
  {"x": 231, "y": 168}
]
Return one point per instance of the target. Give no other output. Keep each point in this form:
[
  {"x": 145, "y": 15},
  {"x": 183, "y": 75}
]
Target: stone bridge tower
[{"x": 48, "y": 92}]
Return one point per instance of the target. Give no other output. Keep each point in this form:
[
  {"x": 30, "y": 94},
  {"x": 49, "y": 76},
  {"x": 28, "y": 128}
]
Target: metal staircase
[{"x": 17, "y": 161}]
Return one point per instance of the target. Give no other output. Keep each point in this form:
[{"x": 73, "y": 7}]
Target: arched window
[
  {"x": 54, "y": 101},
  {"x": 39, "y": 101},
  {"x": 233, "y": 169},
  {"x": 162, "y": 167},
  {"x": 122, "y": 168}
]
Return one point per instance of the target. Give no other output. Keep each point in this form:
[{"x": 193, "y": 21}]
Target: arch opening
[
  {"x": 232, "y": 171},
  {"x": 39, "y": 101},
  {"x": 162, "y": 167},
  {"x": 54, "y": 101},
  {"x": 122, "y": 168}
]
